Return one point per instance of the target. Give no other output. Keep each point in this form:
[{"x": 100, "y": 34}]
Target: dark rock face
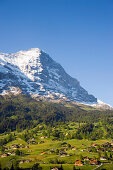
[{"x": 35, "y": 72}]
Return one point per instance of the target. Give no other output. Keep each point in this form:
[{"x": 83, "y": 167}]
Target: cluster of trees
[
  {"x": 27, "y": 135},
  {"x": 6, "y": 140},
  {"x": 89, "y": 131}
]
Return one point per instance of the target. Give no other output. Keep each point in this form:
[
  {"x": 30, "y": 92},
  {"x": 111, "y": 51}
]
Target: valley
[
  {"x": 48, "y": 135},
  {"x": 54, "y": 146}
]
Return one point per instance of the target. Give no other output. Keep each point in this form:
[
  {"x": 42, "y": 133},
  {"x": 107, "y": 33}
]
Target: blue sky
[{"x": 76, "y": 33}]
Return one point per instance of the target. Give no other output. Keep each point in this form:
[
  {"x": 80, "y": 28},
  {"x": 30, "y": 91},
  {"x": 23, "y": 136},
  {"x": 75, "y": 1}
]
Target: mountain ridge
[{"x": 34, "y": 72}]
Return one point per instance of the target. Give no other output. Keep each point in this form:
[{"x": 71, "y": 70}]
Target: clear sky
[{"x": 76, "y": 33}]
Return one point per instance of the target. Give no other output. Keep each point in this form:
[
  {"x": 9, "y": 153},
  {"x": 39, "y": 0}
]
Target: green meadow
[{"x": 49, "y": 149}]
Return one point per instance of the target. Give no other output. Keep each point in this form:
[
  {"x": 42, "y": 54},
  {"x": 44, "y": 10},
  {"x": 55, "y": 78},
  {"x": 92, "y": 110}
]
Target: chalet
[
  {"x": 82, "y": 150},
  {"x": 64, "y": 154},
  {"x": 13, "y": 153},
  {"x": 93, "y": 161},
  {"x": 78, "y": 163},
  {"x": 52, "y": 151},
  {"x": 86, "y": 158},
  {"x": 26, "y": 147},
  {"x": 55, "y": 168},
  {"x": 103, "y": 158},
  {"x": 27, "y": 161},
  {"x": 94, "y": 144},
  {"x": 4, "y": 155},
  {"x": 73, "y": 148},
  {"x": 9, "y": 153},
  {"x": 21, "y": 161},
  {"x": 15, "y": 147},
  {"x": 42, "y": 153},
  {"x": 42, "y": 137}
]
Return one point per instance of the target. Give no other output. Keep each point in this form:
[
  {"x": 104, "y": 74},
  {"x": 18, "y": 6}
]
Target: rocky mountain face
[{"x": 34, "y": 72}]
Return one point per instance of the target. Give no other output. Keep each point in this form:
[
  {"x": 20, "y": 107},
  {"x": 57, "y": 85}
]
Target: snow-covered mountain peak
[
  {"x": 30, "y": 52},
  {"x": 35, "y": 72},
  {"x": 23, "y": 59},
  {"x": 23, "y": 55}
]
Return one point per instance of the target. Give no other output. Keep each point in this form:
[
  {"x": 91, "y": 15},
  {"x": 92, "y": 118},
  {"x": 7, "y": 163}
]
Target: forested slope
[{"x": 21, "y": 112}]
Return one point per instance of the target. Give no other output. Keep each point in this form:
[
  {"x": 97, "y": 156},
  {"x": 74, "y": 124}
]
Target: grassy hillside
[
  {"x": 42, "y": 135},
  {"x": 44, "y": 146}
]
